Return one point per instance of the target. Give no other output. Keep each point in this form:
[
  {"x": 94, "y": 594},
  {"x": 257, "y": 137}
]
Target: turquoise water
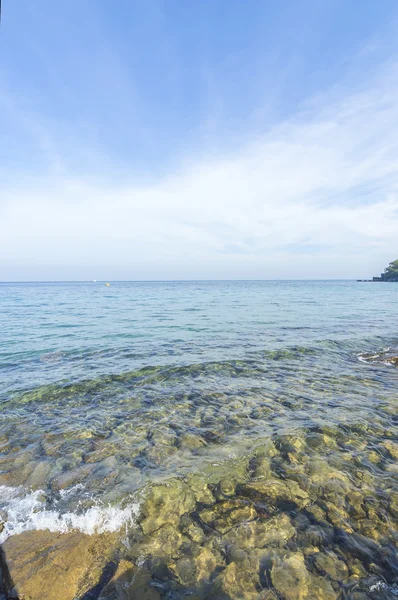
[
  {"x": 85, "y": 359},
  {"x": 105, "y": 390},
  {"x": 52, "y": 332}
]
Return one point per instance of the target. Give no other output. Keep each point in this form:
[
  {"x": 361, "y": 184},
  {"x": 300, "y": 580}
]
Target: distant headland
[{"x": 390, "y": 273}]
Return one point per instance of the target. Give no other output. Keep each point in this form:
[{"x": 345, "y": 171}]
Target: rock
[
  {"x": 274, "y": 492},
  {"x": 330, "y": 564},
  {"x": 129, "y": 583},
  {"x": 39, "y": 477},
  {"x": 321, "y": 441},
  {"x": 162, "y": 435},
  {"x": 226, "y": 486},
  {"x": 165, "y": 503},
  {"x": 288, "y": 444},
  {"x": 392, "y": 448},
  {"x": 374, "y": 457},
  {"x": 267, "y": 449},
  {"x": 198, "y": 483},
  {"x": 225, "y": 515},
  {"x": 355, "y": 500},
  {"x": 237, "y": 582},
  {"x": 70, "y": 478},
  {"x": 216, "y": 481},
  {"x": 393, "y": 360},
  {"x": 393, "y": 508},
  {"x": 262, "y": 467},
  {"x": 260, "y": 534},
  {"x": 192, "y": 530},
  {"x": 370, "y": 530},
  {"x": 323, "y": 474},
  {"x": 163, "y": 542},
  {"x": 357, "y": 569},
  {"x": 316, "y": 535},
  {"x": 321, "y": 589},
  {"x": 317, "y": 512},
  {"x": 290, "y": 577},
  {"x": 191, "y": 441},
  {"x": 157, "y": 453},
  {"x": 268, "y": 595},
  {"x": 338, "y": 517},
  {"x": 55, "y": 566},
  {"x": 198, "y": 569}
]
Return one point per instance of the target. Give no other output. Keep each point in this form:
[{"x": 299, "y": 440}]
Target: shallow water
[{"x": 108, "y": 390}]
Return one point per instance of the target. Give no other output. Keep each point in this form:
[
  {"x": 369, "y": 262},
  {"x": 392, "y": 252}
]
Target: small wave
[
  {"x": 26, "y": 511},
  {"x": 386, "y": 356}
]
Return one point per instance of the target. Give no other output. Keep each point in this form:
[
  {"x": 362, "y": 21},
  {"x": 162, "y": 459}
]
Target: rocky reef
[{"x": 306, "y": 515}]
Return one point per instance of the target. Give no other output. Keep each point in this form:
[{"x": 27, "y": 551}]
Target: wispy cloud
[{"x": 316, "y": 195}]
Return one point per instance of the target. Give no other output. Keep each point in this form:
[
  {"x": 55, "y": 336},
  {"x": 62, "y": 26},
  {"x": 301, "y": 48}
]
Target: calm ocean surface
[
  {"x": 70, "y": 332},
  {"x": 106, "y": 389}
]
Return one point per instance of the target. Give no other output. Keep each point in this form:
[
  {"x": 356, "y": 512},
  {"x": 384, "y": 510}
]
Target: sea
[{"x": 105, "y": 390}]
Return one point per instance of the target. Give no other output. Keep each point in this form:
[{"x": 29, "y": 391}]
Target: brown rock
[
  {"x": 163, "y": 542},
  {"x": 197, "y": 570},
  {"x": 290, "y": 577},
  {"x": 260, "y": 534},
  {"x": 51, "y": 566},
  {"x": 165, "y": 504},
  {"x": 274, "y": 491},
  {"x": 129, "y": 583},
  {"x": 237, "y": 583},
  {"x": 225, "y": 515},
  {"x": 321, "y": 589},
  {"x": 330, "y": 564}
]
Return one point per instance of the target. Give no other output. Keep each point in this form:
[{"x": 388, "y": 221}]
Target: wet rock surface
[
  {"x": 40, "y": 564},
  {"x": 299, "y": 518}
]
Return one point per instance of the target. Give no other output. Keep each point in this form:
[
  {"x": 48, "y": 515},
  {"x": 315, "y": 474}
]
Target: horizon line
[{"x": 168, "y": 280}]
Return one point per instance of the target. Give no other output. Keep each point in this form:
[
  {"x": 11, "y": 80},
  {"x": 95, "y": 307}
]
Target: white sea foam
[
  {"x": 380, "y": 585},
  {"x": 366, "y": 357},
  {"x": 26, "y": 511}
]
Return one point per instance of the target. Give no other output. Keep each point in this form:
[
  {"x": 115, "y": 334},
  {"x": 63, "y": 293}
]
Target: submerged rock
[
  {"x": 237, "y": 582},
  {"x": 70, "y": 478},
  {"x": 223, "y": 516},
  {"x": 260, "y": 534},
  {"x": 165, "y": 503},
  {"x": 191, "y": 441},
  {"x": 392, "y": 448},
  {"x": 274, "y": 492},
  {"x": 298, "y": 520},
  {"x": 197, "y": 569},
  {"x": 290, "y": 577},
  {"x": 165, "y": 542},
  {"x": 198, "y": 483},
  {"x": 321, "y": 589},
  {"x": 130, "y": 583},
  {"x": 330, "y": 564}
]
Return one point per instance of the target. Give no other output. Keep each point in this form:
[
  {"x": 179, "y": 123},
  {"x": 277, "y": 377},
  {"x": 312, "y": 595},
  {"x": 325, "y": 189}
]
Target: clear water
[
  {"x": 104, "y": 389},
  {"x": 69, "y": 332}
]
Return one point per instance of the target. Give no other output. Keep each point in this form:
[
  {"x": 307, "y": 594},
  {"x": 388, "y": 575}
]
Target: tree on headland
[{"x": 391, "y": 272}]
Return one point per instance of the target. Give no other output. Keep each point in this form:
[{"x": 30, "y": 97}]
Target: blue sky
[{"x": 198, "y": 139}]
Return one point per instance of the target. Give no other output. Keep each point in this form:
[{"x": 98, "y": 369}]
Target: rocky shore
[
  {"x": 390, "y": 274},
  {"x": 305, "y": 516}
]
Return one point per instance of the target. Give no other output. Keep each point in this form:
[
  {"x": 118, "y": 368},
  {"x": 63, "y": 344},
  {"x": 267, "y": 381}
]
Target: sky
[{"x": 198, "y": 139}]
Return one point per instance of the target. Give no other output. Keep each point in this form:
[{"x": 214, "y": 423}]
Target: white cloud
[{"x": 315, "y": 196}]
